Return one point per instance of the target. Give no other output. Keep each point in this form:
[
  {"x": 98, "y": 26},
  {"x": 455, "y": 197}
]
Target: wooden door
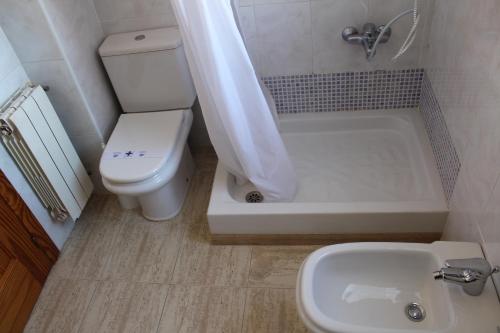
[{"x": 26, "y": 257}]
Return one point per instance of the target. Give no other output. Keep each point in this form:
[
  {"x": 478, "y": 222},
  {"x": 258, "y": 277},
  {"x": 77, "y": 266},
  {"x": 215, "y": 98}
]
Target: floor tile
[
  {"x": 198, "y": 309},
  {"x": 277, "y": 266},
  {"x": 271, "y": 310},
  {"x": 205, "y": 158},
  {"x": 201, "y": 263},
  {"x": 196, "y": 206},
  {"x": 61, "y": 306},
  {"x": 122, "y": 307},
  {"x": 101, "y": 210},
  {"x": 166, "y": 276},
  {"x": 86, "y": 257},
  {"x": 144, "y": 252}
]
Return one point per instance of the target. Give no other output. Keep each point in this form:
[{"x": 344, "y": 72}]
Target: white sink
[{"x": 365, "y": 287}]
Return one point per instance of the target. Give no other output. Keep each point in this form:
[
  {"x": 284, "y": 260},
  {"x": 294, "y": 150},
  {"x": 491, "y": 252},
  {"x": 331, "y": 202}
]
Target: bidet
[{"x": 389, "y": 287}]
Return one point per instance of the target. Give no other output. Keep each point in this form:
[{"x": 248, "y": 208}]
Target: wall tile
[
  {"x": 8, "y": 58},
  {"x": 110, "y": 10},
  {"x": 56, "y": 41},
  {"x": 348, "y": 91},
  {"x": 328, "y": 18},
  {"x": 63, "y": 94},
  {"x": 489, "y": 223},
  {"x": 464, "y": 73},
  {"x": 25, "y": 25},
  {"x": 285, "y": 41},
  {"x": 461, "y": 225},
  {"x": 248, "y": 28},
  {"x": 381, "y": 12},
  {"x": 10, "y": 83},
  {"x": 80, "y": 33},
  {"x": 445, "y": 152},
  {"x": 331, "y": 53},
  {"x": 130, "y": 15},
  {"x": 138, "y": 23}
]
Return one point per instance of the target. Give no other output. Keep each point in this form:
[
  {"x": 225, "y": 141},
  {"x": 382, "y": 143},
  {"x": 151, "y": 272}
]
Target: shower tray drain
[
  {"x": 254, "y": 197},
  {"x": 415, "y": 312}
]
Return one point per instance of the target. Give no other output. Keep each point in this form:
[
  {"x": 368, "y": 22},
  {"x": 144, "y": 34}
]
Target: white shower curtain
[{"x": 237, "y": 114}]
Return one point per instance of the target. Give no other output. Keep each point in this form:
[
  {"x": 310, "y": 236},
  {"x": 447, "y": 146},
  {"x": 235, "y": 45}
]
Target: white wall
[
  {"x": 77, "y": 29},
  {"x": 290, "y": 36},
  {"x": 13, "y": 76},
  {"x": 56, "y": 42},
  {"x": 463, "y": 62},
  {"x": 132, "y": 15},
  {"x": 304, "y": 36}
]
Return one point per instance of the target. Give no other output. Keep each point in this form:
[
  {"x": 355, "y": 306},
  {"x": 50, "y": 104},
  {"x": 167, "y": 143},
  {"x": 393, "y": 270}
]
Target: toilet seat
[{"x": 162, "y": 146}]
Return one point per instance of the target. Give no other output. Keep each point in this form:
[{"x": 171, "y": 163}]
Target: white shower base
[{"x": 359, "y": 173}]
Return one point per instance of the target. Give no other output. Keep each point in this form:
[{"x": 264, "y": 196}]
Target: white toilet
[{"x": 147, "y": 162}]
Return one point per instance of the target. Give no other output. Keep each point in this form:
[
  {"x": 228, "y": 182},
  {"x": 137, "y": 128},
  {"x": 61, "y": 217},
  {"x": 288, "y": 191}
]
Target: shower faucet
[{"x": 367, "y": 37}]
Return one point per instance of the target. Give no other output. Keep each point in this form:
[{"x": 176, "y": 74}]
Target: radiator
[{"x": 37, "y": 141}]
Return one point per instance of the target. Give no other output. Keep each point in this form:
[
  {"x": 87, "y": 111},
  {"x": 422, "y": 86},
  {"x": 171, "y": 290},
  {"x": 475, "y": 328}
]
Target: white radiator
[{"x": 36, "y": 139}]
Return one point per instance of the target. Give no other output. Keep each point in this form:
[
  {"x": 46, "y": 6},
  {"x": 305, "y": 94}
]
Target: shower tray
[{"x": 362, "y": 175}]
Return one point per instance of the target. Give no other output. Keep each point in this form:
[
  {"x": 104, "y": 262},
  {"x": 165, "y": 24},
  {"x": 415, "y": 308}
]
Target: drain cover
[
  {"x": 415, "y": 312},
  {"x": 254, "y": 197}
]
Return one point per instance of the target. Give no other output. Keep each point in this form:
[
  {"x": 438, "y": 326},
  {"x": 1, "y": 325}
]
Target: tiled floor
[{"x": 121, "y": 273}]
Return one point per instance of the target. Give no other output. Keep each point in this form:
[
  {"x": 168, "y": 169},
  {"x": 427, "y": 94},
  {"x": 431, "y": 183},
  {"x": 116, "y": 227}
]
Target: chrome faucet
[
  {"x": 470, "y": 274},
  {"x": 367, "y": 37}
]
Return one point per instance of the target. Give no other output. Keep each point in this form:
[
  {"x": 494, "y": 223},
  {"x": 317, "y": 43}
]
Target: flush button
[{"x": 140, "y": 37}]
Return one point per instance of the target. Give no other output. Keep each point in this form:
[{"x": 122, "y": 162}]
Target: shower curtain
[{"x": 238, "y": 115}]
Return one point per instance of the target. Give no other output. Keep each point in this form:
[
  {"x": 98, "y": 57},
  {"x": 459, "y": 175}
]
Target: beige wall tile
[
  {"x": 465, "y": 76},
  {"x": 129, "y": 15},
  {"x": 271, "y": 310},
  {"x": 284, "y": 38},
  {"x": 198, "y": 309},
  {"x": 204, "y": 264},
  {"x": 489, "y": 223},
  {"x": 61, "y": 306},
  {"x": 120, "y": 307},
  {"x": 277, "y": 266}
]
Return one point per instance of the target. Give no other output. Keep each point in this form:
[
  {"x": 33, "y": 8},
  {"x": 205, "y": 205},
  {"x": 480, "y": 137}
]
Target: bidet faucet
[{"x": 471, "y": 274}]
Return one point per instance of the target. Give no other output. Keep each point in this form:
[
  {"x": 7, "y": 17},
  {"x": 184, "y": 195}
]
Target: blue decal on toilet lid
[{"x": 131, "y": 154}]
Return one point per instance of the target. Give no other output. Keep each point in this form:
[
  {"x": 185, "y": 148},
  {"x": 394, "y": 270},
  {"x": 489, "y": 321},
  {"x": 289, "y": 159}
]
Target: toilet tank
[{"x": 148, "y": 70}]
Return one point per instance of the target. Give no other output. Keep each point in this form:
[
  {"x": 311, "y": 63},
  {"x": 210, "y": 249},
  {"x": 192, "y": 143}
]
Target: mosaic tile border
[
  {"x": 349, "y": 91},
  {"x": 447, "y": 160}
]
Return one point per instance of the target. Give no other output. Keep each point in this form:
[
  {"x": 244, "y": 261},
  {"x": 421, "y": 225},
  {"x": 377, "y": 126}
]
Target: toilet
[{"x": 147, "y": 162}]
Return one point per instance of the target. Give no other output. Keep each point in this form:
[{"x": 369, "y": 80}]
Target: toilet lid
[{"x": 140, "y": 145}]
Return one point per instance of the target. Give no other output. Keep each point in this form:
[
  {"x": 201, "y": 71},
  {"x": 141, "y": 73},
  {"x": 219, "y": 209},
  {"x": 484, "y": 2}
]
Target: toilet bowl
[{"x": 147, "y": 162}]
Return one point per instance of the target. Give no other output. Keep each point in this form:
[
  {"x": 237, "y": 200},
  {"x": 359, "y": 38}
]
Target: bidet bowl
[{"x": 367, "y": 287}]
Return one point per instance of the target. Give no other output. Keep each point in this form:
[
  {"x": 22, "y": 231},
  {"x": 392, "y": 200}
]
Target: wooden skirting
[{"x": 307, "y": 239}]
